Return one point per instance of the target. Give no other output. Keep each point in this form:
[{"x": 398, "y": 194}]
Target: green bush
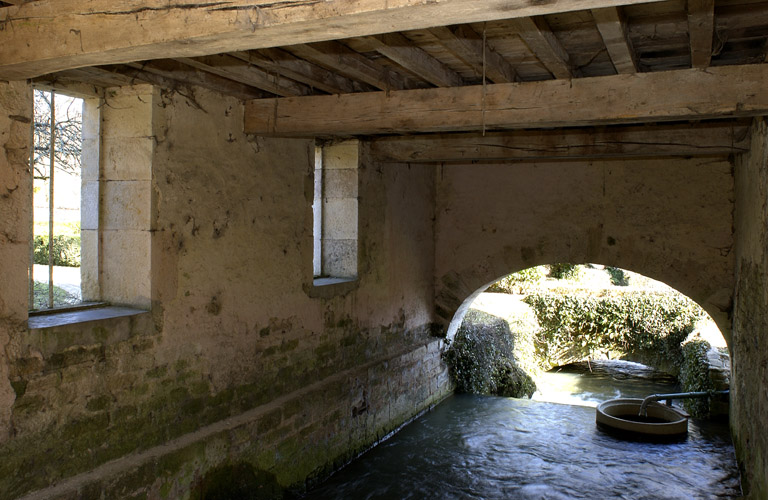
[
  {"x": 66, "y": 250},
  {"x": 518, "y": 282},
  {"x": 694, "y": 376},
  {"x": 481, "y": 360},
  {"x": 564, "y": 271},
  {"x": 589, "y": 325},
  {"x": 618, "y": 276}
]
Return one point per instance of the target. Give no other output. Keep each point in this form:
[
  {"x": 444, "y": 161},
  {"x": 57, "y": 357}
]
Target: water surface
[{"x": 485, "y": 447}]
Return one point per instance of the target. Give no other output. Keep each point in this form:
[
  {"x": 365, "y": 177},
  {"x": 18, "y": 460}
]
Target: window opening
[
  {"x": 55, "y": 159},
  {"x": 334, "y": 209}
]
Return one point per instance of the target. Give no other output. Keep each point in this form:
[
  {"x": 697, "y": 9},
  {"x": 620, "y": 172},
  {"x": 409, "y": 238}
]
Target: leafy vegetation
[
  {"x": 618, "y": 276},
  {"x": 519, "y": 282},
  {"x": 66, "y": 250},
  {"x": 694, "y": 376},
  {"x": 564, "y": 271},
  {"x": 586, "y": 325},
  {"x": 481, "y": 358}
]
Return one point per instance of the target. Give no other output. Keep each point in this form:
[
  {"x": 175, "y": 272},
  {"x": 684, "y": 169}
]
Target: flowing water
[{"x": 485, "y": 447}]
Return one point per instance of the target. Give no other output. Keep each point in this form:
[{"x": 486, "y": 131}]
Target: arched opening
[{"x": 585, "y": 333}]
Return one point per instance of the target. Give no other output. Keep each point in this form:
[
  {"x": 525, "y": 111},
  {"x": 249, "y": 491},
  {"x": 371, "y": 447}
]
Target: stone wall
[
  {"x": 240, "y": 359},
  {"x": 749, "y": 351},
  {"x": 667, "y": 218}
]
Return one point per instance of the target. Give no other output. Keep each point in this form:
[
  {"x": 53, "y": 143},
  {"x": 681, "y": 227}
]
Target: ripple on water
[{"x": 502, "y": 448}]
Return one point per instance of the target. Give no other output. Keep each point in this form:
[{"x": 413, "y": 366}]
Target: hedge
[
  {"x": 589, "y": 325},
  {"x": 66, "y": 250}
]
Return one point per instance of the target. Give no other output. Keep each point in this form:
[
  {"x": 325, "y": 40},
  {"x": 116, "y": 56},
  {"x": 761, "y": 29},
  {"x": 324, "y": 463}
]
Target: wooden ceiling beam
[
  {"x": 466, "y": 44},
  {"x": 399, "y": 49},
  {"x": 701, "y": 27},
  {"x": 284, "y": 63},
  {"x": 537, "y": 34},
  {"x": 717, "y": 138},
  {"x": 233, "y": 68},
  {"x": 717, "y": 92},
  {"x": 53, "y": 35},
  {"x": 612, "y": 26},
  {"x": 170, "y": 74},
  {"x": 337, "y": 57}
]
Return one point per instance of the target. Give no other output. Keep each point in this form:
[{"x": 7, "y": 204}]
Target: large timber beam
[
  {"x": 53, "y": 35},
  {"x": 689, "y": 94},
  {"x": 716, "y": 138}
]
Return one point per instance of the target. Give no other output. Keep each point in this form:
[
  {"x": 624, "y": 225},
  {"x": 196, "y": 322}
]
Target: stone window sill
[
  {"x": 71, "y": 317},
  {"x": 331, "y": 287}
]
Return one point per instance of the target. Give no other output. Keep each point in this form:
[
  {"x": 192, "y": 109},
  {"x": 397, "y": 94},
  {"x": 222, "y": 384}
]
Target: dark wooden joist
[
  {"x": 689, "y": 94},
  {"x": 233, "y": 68},
  {"x": 537, "y": 34},
  {"x": 53, "y": 35},
  {"x": 612, "y": 26},
  {"x": 170, "y": 74},
  {"x": 284, "y": 63},
  {"x": 716, "y": 138},
  {"x": 467, "y": 45},
  {"x": 399, "y": 49},
  {"x": 701, "y": 28},
  {"x": 337, "y": 57}
]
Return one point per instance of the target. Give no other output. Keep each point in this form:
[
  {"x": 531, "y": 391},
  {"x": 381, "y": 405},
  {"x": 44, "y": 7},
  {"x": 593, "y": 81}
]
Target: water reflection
[{"x": 484, "y": 447}]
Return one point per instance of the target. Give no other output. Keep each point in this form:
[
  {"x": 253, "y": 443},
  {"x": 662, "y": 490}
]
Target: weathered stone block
[
  {"x": 339, "y": 219},
  {"x": 340, "y": 183},
  {"x": 127, "y": 116},
  {"x": 126, "y": 267},
  {"x": 89, "y": 205},
  {"x": 127, "y": 205},
  {"x": 128, "y": 158}
]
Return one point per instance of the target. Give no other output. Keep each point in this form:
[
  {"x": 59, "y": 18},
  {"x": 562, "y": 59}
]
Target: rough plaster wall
[
  {"x": 15, "y": 207},
  {"x": 749, "y": 386},
  {"x": 669, "y": 219},
  {"x": 240, "y": 356}
]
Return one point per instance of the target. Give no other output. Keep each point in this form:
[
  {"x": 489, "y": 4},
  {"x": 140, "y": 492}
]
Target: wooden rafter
[
  {"x": 281, "y": 62},
  {"x": 233, "y": 68},
  {"x": 343, "y": 60},
  {"x": 545, "y": 46},
  {"x": 613, "y": 29},
  {"x": 402, "y": 51},
  {"x": 704, "y": 139},
  {"x": 701, "y": 26},
  {"x": 53, "y": 35},
  {"x": 170, "y": 74},
  {"x": 467, "y": 45},
  {"x": 721, "y": 91}
]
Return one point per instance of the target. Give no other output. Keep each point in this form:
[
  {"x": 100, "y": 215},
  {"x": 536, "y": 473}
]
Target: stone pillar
[
  {"x": 749, "y": 349},
  {"x": 339, "y": 212},
  {"x": 15, "y": 232}
]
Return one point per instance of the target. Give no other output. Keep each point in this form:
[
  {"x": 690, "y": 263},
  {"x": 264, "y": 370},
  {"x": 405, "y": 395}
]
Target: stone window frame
[
  {"x": 116, "y": 199},
  {"x": 335, "y": 210}
]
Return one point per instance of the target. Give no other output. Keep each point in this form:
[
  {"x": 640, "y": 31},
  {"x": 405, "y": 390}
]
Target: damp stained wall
[
  {"x": 749, "y": 350},
  {"x": 239, "y": 358},
  {"x": 670, "y": 219}
]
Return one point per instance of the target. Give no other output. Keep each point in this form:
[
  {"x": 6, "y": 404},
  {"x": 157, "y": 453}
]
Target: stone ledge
[{"x": 81, "y": 316}]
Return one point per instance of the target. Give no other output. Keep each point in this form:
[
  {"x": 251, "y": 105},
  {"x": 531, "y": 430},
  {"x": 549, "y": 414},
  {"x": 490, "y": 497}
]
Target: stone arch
[{"x": 456, "y": 290}]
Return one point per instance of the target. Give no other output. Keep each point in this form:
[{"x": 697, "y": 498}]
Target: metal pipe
[{"x": 679, "y": 395}]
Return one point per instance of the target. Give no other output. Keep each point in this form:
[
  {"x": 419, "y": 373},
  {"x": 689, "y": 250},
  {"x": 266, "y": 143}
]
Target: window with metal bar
[{"x": 55, "y": 161}]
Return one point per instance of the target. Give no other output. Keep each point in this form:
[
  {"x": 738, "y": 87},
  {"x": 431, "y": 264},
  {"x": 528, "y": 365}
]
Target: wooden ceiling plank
[
  {"x": 233, "y": 68},
  {"x": 53, "y": 35},
  {"x": 467, "y": 45},
  {"x": 341, "y": 59},
  {"x": 169, "y": 74},
  {"x": 612, "y": 26},
  {"x": 717, "y": 92},
  {"x": 402, "y": 51},
  {"x": 722, "y": 137},
  {"x": 284, "y": 63},
  {"x": 536, "y": 33},
  {"x": 701, "y": 27}
]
